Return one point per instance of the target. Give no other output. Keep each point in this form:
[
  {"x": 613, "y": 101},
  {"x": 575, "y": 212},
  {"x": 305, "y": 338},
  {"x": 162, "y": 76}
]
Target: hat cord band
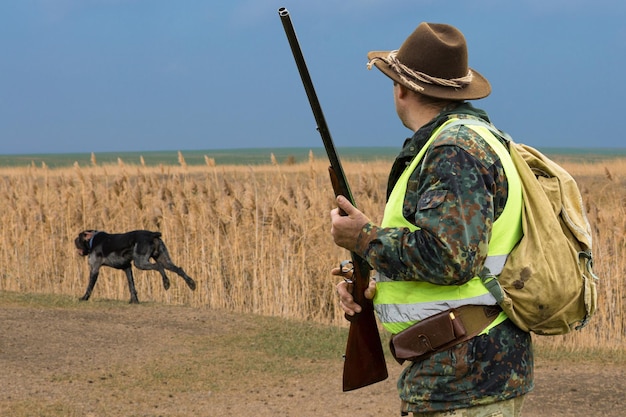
[{"x": 409, "y": 76}]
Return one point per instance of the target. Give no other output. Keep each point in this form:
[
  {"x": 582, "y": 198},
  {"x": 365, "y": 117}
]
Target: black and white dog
[{"x": 119, "y": 250}]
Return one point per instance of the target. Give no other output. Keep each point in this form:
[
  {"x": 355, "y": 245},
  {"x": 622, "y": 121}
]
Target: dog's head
[{"x": 84, "y": 242}]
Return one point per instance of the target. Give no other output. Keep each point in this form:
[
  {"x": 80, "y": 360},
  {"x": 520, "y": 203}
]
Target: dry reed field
[{"x": 256, "y": 239}]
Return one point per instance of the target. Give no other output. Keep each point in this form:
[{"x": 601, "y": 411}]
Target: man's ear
[{"x": 401, "y": 90}]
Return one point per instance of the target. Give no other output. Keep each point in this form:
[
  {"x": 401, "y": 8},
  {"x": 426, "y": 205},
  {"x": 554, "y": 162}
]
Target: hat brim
[{"x": 477, "y": 89}]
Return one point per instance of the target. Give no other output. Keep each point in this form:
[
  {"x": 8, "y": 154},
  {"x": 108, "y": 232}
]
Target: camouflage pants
[{"x": 508, "y": 408}]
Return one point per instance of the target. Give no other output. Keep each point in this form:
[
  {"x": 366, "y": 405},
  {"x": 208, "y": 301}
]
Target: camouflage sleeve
[{"x": 450, "y": 197}]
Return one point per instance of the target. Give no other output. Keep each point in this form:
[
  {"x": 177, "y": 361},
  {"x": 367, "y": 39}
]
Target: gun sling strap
[{"x": 441, "y": 332}]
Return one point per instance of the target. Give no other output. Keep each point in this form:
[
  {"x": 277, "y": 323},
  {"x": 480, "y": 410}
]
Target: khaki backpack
[{"x": 547, "y": 285}]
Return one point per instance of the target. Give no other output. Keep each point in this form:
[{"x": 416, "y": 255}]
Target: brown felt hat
[{"x": 433, "y": 61}]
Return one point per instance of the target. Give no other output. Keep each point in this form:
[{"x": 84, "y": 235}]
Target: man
[{"x": 444, "y": 229}]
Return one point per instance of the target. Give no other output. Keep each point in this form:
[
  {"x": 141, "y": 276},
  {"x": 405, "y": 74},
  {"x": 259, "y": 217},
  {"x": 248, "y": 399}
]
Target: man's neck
[
  {"x": 426, "y": 113},
  {"x": 423, "y": 116}
]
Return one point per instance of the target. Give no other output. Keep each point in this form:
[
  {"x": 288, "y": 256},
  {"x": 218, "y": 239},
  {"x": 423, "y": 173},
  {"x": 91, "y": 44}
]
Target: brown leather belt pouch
[{"x": 440, "y": 332}]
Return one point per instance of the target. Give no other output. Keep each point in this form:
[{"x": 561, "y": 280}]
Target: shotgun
[{"x": 364, "y": 359}]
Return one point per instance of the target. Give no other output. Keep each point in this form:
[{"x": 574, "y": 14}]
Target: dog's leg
[
  {"x": 162, "y": 272},
  {"x": 171, "y": 267},
  {"x": 93, "y": 277},
  {"x": 166, "y": 280},
  {"x": 164, "y": 261},
  {"x": 131, "y": 286},
  {"x": 142, "y": 261}
]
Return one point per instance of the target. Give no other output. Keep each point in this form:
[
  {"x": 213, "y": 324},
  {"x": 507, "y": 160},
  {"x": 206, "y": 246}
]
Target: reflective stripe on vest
[{"x": 400, "y": 304}]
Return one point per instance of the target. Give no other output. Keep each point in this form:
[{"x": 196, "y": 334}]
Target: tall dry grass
[{"x": 256, "y": 239}]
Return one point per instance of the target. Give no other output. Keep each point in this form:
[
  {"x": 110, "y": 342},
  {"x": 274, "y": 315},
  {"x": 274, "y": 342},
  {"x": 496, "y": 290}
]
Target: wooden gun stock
[{"x": 364, "y": 360}]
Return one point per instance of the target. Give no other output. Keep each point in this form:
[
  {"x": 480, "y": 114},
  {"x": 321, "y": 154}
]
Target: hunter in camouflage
[
  {"x": 450, "y": 249},
  {"x": 454, "y": 195}
]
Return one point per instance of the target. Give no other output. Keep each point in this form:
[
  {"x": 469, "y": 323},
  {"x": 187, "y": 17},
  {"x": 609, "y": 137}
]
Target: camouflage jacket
[{"x": 449, "y": 248}]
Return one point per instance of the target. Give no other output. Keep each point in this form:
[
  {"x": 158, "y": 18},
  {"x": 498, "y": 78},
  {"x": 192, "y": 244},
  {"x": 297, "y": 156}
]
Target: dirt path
[{"x": 110, "y": 359}]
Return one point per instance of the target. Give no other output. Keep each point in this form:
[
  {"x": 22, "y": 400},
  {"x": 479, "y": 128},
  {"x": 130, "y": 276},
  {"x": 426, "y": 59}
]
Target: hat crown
[
  {"x": 436, "y": 49},
  {"x": 433, "y": 61}
]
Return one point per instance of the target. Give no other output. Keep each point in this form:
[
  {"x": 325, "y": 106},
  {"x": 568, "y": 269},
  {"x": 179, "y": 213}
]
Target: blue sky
[{"x": 141, "y": 75}]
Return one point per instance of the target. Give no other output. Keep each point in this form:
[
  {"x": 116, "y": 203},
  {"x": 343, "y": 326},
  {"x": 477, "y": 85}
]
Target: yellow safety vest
[{"x": 400, "y": 304}]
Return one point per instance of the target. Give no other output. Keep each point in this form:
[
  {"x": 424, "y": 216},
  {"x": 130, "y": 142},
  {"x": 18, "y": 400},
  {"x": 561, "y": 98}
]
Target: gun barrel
[{"x": 322, "y": 127}]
